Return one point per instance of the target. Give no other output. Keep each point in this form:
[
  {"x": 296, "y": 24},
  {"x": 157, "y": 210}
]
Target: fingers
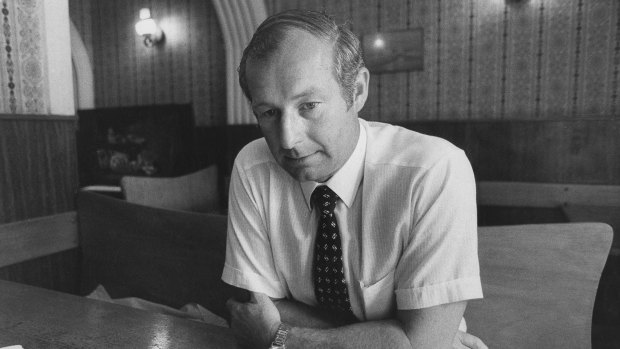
[
  {"x": 231, "y": 302},
  {"x": 471, "y": 341},
  {"x": 255, "y": 297},
  {"x": 457, "y": 345},
  {"x": 481, "y": 344},
  {"x": 456, "y": 342}
]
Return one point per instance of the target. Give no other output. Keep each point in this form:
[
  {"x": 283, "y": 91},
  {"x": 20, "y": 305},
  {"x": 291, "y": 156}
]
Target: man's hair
[{"x": 347, "y": 60}]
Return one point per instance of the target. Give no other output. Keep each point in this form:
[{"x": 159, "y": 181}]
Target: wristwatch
[{"x": 280, "y": 341}]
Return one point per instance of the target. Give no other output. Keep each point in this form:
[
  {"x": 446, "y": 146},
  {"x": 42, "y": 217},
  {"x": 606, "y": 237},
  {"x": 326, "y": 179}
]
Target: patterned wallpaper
[
  {"x": 188, "y": 67},
  {"x": 487, "y": 59},
  {"x": 23, "y": 62},
  {"x": 484, "y": 59}
]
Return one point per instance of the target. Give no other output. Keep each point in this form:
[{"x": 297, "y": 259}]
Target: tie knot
[{"x": 325, "y": 198}]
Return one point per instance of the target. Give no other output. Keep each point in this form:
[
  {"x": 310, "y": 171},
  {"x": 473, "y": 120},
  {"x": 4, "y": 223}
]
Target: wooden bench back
[
  {"x": 29, "y": 239},
  {"x": 161, "y": 255},
  {"x": 539, "y": 284}
]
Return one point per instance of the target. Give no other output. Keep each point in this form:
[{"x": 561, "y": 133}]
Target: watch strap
[{"x": 280, "y": 340}]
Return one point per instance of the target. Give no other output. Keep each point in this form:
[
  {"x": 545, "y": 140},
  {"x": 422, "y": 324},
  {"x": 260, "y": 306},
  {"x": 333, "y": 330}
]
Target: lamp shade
[{"x": 146, "y": 27}]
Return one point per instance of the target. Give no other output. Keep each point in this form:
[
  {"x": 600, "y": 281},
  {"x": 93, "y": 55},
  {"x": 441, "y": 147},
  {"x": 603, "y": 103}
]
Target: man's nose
[{"x": 290, "y": 130}]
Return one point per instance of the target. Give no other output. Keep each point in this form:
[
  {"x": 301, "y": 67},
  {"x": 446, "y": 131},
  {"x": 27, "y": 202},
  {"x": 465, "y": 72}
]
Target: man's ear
[{"x": 361, "y": 89}]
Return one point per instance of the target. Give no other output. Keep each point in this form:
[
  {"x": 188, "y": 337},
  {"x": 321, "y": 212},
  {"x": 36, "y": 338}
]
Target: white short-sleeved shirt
[{"x": 407, "y": 220}]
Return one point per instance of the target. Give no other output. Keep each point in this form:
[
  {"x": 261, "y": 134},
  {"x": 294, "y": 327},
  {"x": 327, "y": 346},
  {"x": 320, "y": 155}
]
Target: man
[{"x": 347, "y": 233}]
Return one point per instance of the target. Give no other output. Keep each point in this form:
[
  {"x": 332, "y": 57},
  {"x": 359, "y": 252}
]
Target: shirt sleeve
[
  {"x": 249, "y": 260},
  {"x": 439, "y": 263}
]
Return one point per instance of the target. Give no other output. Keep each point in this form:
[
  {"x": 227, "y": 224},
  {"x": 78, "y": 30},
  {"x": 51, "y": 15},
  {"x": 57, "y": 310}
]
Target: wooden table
[{"x": 40, "y": 318}]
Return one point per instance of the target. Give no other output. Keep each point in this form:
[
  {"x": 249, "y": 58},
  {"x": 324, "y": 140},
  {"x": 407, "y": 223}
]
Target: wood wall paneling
[
  {"x": 181, "y": 79},
  {"x": 417, "y": 101},
  {"x": 368, "y": 22},
  {"x": 597, "y": 64},
  {"x": 559, "y": 38},
  {"x": 39, "y": 171},
  {"x": 127, "y": 43},
  {"x": 162, "y": 75},
  {"x": 341, "y": 10},
  {"x": 393, "y": 97},
  {"x": 454, "y": 74},
  {"x": 522, "y": 63},
  {"x": 38, "y": 177}
]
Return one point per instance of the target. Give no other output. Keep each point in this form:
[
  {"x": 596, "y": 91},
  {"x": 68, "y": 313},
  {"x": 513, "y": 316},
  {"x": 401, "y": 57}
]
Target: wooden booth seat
[{"x": 539, "y": 281}]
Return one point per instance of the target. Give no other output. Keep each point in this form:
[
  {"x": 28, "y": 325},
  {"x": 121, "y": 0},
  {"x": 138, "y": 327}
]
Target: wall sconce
[{"x": 147, "y": 28}]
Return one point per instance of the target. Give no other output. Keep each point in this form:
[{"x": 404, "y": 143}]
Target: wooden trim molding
[
  {"x": 28, "y": 239},
  {"x": 526, "y": 194},
  {"x": 36, "y": 117}
]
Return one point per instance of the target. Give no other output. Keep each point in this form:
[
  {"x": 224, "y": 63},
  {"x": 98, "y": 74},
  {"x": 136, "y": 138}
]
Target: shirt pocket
[{"x": 379, "y": 298}]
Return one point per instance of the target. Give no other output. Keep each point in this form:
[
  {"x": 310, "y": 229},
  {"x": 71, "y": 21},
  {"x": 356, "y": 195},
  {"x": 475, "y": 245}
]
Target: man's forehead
[
  {"x": 296, "y": 45},
  {"x": 298, "y": 67}
]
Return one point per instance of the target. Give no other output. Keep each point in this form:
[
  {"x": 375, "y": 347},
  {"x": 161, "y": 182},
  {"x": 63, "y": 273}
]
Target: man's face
[{"x": 300, "y": 108}]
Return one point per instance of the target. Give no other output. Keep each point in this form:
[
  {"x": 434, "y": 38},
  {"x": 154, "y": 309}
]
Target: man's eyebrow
[
  {"x": 312, "y": 91},
  {"x": 260, "y": 104}
]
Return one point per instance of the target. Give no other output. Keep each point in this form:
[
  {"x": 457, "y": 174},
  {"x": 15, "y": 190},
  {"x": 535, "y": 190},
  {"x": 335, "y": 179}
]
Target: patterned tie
[{"x": 330, "y": 284}]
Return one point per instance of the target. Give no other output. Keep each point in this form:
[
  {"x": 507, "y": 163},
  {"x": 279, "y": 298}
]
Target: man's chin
[
  {"x": 300, "y": 176},
  {"x": 311, "y": 168},
  {"x": 306, "y": 175}
]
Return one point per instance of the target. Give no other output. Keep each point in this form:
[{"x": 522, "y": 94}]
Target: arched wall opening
[
  {"x": 237, "y": 19},
  {"x": 84, "y": 84}
]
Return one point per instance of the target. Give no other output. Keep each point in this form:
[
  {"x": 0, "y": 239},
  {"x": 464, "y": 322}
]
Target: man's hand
[
  {"x": 256, "y": 322},
  {"x": 464, "y": 340}
]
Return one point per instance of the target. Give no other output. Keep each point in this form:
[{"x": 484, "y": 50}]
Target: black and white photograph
[{"x": 310, "y": 174}]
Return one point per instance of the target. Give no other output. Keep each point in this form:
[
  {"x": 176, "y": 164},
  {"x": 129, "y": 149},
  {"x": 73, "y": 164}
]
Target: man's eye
[
  {"x": 309, "y": 105},
  {"x": 269, "y": 113}
]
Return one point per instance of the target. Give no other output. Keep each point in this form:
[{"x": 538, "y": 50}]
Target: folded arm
[
  {"x": 433, "y": 327},
  {"x": 302, "y": 315}
]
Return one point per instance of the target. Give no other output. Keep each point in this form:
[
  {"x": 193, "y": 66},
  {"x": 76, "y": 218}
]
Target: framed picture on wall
[{"x": 394, "y": 51}]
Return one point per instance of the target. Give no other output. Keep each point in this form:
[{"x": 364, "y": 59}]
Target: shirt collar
[{"x": 347, "y": 179}]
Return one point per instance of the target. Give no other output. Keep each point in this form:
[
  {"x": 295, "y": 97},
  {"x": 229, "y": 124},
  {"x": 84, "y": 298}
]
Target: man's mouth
[{"x": 298, "y": 158}]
